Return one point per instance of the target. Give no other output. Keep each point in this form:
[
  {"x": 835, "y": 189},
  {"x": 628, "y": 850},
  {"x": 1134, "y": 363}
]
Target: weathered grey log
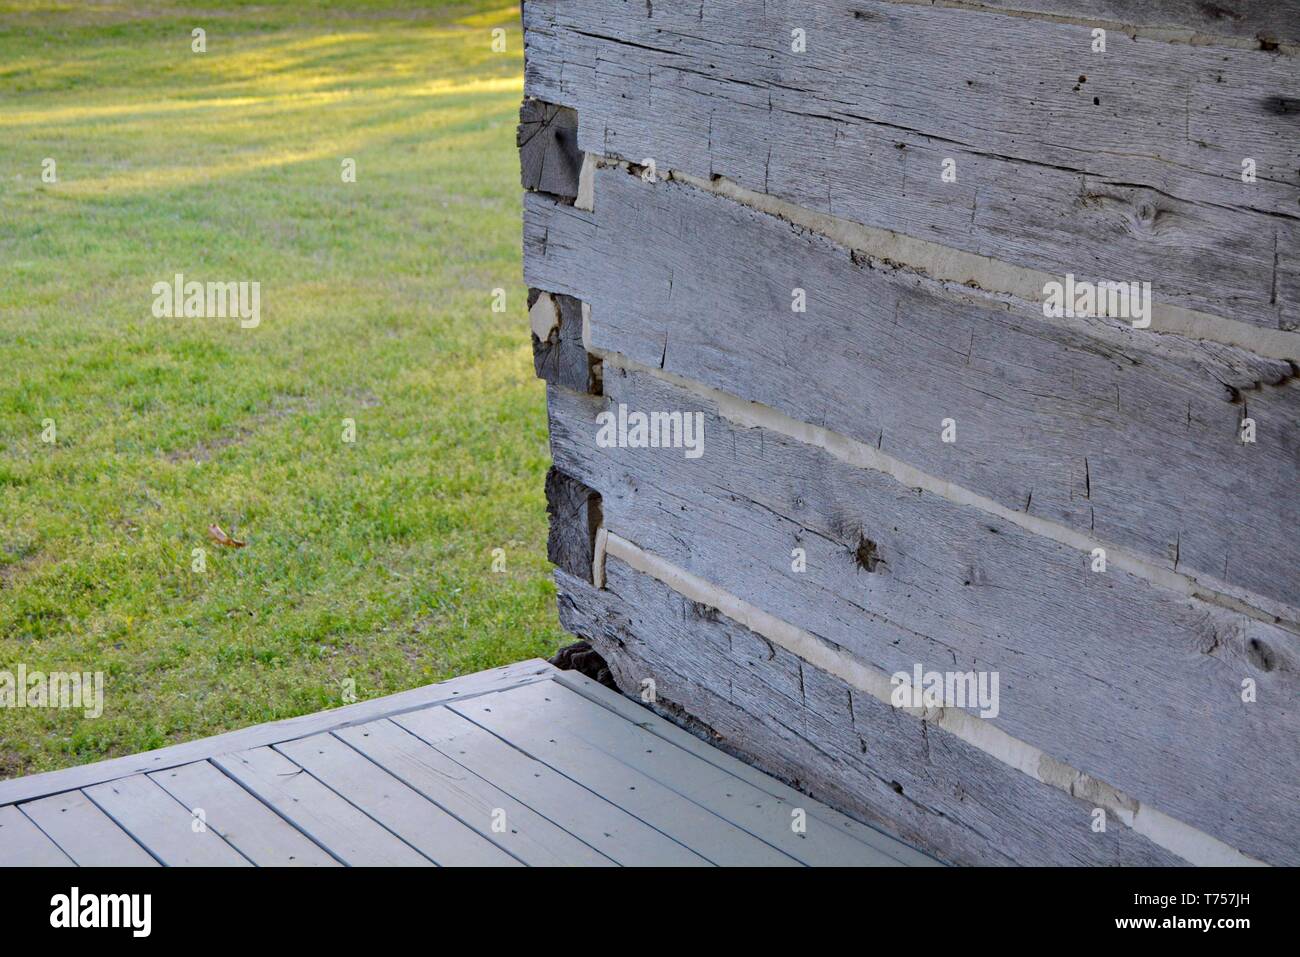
[
  {"x": 560, "y": 357},
  {"x": 575, "y": 514},
  {"x": 1124, "y": 165},
  {"x": 1101, "y": 670},
  {"x": 1130, "y": 436},
  {"x": 1269, "y": 21},
  {"x": 884, "y": 766},
  {"x": 549, "y": 157}
]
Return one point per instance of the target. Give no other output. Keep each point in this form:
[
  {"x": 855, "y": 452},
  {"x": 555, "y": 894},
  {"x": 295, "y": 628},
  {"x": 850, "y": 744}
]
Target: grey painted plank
[
  {"x": 85, "y": 833},
  {"x": 545, "y": 736},
  {"x": 68, "y": 779},
  {"x": 1088, "y": 428},
  {"x": 23, "y": 845},
  {"x": 329, "y": 820},
  {"x": 1144, "y": 184},
  {"x": 612, "y": 831},
  {"x": 844, "y": 828},
  {"x": 552, "y": 705},
  {"x": 243, "y": 821},
  {"x": 424, "y": 825},
  {"x": 1101, "y": 670},
  {"x": 888, "y": 768},
  {"x": 162, "y": 825},
  {"x": 527, "y": 835}
]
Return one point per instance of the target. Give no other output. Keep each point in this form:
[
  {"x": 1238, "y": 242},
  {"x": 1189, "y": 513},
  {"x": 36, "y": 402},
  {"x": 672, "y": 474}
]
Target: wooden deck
[{"x": 522, "y": 765}]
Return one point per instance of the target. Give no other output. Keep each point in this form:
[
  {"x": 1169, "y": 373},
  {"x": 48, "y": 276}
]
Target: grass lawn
[{"x": 369, "y": 564}]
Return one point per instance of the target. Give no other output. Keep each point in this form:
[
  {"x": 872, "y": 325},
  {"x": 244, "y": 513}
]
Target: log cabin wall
[{"x": 821, "y": 238}]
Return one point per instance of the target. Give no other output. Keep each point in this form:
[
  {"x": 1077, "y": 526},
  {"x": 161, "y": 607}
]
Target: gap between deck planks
[{"x": 526, "y": 765}]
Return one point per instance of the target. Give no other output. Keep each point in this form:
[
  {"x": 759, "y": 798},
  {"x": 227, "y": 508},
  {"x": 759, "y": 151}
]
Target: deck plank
[
  {"x": 442, "y": 838},
  {"x": 653, "y": 724},
  {"x": 553, "y": 705},
  {"x": 531, "y": 729},
  {"x": 243, "y": 821},
  {"x": 611, "y": 830},
  {"x": 85, "y": 833},
  {"x": 163, "y": 825},
  {"x": 22, "y": 844},
  {"x": 528, "y": 836},
  {"x": 454, "y": 689},
  {"x": 320, "y": 813}
]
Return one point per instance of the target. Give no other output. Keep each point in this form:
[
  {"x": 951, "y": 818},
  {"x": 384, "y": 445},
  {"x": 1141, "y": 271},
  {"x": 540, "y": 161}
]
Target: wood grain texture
[
  {"x": 1269, "y": 20},
  {"x": 561, "y": 358},
  {"x": 1124, "y": 165},
  {"x": 1101, "y": 670},
  {"x": 1128, "y": 436},
  {"x": 575, "y": 514},
  {"x": 549, "y": 158},
  {"x": 891, "y": 770}
]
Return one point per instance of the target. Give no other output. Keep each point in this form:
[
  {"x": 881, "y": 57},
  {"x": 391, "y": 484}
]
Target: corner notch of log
[
  {"x": 575, "y": 514},
  {"x": 549, "y": 159},
  {"x": 559, "y": 355}
]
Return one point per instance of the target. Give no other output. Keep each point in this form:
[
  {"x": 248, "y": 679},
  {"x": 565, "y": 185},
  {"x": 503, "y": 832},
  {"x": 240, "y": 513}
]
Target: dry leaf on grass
[{"x": 221, "y": 538}]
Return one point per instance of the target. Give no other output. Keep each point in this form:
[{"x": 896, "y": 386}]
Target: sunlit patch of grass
[{"x": 367, "y": 562}]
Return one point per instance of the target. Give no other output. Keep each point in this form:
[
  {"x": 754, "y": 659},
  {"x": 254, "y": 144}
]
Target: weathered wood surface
[
  {"x": 1267, "y": 20},
  {"x": 242, "y": 821},
  {"x": 559, "y": 355},
  {"x": 1129, "y": 436},
  {"x": 1101, "y": 670},
  {"x": 85, "y": 833},
  {"x": 549, "y": 157},
  {"x": 840, "y": 746},
  {"x": 1122, "y": 166},
  {"x": 575, "y": 515}
]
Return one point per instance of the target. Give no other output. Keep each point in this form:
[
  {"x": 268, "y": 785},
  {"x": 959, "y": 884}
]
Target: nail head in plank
[
  {"x": 163, "y": 825},
  {"x": 328, "y": 819},
  {"x": 528, "y": 836},
  {"x": 407, "y": 813},
  {"x": 242, "y": 820},
  {"x": 532, "y": 730},
  {"x": 85, "y": 833},
  {"x": 22, "y": 844},
  {"x": 606, "y": 827}
]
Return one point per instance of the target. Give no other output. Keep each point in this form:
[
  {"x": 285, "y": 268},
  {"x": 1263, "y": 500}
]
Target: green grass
[{"x": 369, "y": 562}]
